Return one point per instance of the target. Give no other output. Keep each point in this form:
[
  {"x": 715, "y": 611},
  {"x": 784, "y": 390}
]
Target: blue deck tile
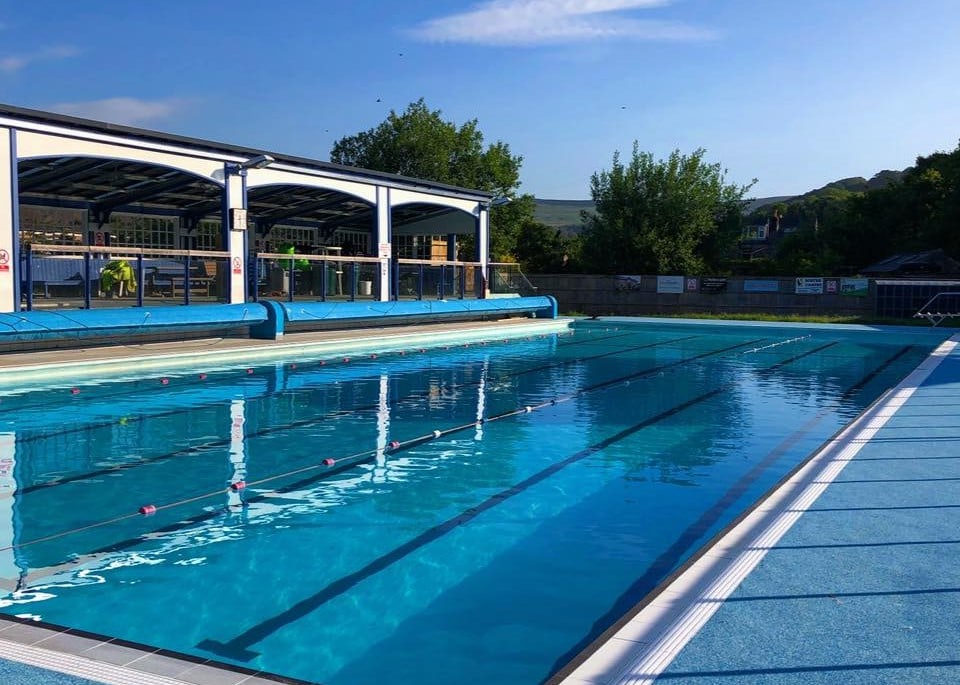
[
  {"x": 865, "y": 588},
  {"x": 12, "y": 673}
]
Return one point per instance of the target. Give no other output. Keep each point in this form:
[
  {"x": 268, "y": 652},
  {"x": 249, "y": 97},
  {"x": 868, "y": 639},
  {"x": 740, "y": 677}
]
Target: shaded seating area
[
  {"x": 65, "y": 275},
  {"x": 53, "y": 277},
  {"x": 172, "y": 277}
]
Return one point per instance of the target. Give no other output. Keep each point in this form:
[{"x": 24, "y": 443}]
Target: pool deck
[{"x": 847, "y": 572}]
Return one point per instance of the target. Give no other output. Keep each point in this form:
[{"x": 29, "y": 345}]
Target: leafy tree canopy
[
  {"x": 661, "y": 216},
  {"x": 419, "y": 143},
  {"x": 838, "y": 230}
]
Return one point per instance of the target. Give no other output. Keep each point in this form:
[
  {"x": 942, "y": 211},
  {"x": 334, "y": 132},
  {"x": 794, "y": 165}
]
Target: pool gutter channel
[
  {"x": 642, "y": 644},
  {"x": 218, "y": 354}
]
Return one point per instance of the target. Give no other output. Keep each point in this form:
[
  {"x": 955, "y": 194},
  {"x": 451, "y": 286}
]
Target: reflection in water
[{"x": 446, "y": 545}]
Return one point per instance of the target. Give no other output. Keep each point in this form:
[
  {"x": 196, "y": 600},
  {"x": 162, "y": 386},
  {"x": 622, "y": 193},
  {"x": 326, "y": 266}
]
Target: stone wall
[{"x": 638, "y": 296}]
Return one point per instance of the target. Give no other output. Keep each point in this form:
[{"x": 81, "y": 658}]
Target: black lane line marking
[
  {"x": 626, "y": 605},
  {"x": 346, "y": 464},
  {"x": 213, "y": 444},
  {"x": 363, "y": 457},
  {"x": 238, "y": 646}
]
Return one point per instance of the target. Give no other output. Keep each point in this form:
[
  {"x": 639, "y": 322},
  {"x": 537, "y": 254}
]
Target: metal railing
[
  {"x": 315, "y": 277},
  {"x": 940, "y": 307},
  {"x": 89, "y": 276},
  {"x": 507, "y": 279},
  {"x": 422, "y": 278}
]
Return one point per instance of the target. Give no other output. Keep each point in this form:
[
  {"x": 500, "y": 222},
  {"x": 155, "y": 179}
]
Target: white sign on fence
[
  {"x": 670, "y": 284},
  {"x": 809, "y": 286}
]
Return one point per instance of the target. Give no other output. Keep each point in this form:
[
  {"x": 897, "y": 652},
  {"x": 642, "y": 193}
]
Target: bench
[
  {"x": 169, "y": 278},
  {"x": 52, "y": 272}
]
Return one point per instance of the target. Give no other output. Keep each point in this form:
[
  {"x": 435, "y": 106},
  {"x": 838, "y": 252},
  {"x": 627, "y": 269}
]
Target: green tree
[
  {"x": 418, "y": 143},
  {"x": 542, "y": 248},
  {"x": 919, "y": 210},
  {"x": 661, "y": 216}
]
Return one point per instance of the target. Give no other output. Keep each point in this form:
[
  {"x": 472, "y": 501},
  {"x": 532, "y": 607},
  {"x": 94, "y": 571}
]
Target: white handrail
[
  {"x": 128, "y": 251},
  {"x": 318, "y": 258},
  {"x": 936, "y": 318}
]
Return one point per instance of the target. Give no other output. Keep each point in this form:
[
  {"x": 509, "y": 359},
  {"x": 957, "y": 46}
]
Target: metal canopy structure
[
  {"x": 326, "y": 209},
  {"x": 107, "y": 172},
  {"x": 104, "y": 186},
  {"x": 107, "y": 185}
]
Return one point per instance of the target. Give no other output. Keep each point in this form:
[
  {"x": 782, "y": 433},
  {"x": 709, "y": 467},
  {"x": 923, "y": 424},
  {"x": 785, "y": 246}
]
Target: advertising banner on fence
[
  {"x": 760, "y": 285},
  {"x": 809, "y": 286},
  {"x": 669, "y": 284},
  {"x": 855, "y": 287},
  {"x": 713, "y": 284},
  {"x": 626, "y": 282}
]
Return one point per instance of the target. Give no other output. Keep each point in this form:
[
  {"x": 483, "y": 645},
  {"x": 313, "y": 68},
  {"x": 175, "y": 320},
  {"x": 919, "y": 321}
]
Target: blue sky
[{"x": 794, "y": 94}]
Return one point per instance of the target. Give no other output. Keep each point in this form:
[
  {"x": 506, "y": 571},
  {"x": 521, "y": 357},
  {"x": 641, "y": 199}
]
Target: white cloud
[
  {"x": 14, "y": 63},
  {"x": 535, "y": 22},
  {"x": 123, "y": 110},
  {"x": 9, "y": 65}
]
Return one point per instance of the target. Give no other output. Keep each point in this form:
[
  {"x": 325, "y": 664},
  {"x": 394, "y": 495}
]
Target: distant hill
[
  {"x": 755, "y": 204},
  {"x": 562, "y": 214},
  {"x": 854, "y": 184},
  {"x": 565, "y": 214}
]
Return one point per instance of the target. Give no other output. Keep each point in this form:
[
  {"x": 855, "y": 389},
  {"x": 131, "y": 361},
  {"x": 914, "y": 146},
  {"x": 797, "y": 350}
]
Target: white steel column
[
  {"x": 384, "y": 237},
  {"x": 235, "y": 197},
  {"x": 483, "y": 245},
  {"x": 9, "y": 210}
]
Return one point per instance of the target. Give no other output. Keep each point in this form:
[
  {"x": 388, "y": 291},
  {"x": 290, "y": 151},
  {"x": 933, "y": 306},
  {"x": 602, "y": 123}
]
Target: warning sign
[
  {"x": 237, "y": 265},
  {"x": 4, "y": 260}
]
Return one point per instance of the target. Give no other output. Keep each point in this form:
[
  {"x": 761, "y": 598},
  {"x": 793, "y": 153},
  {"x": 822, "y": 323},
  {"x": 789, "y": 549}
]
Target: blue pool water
[{"x": 489, "y": 511}]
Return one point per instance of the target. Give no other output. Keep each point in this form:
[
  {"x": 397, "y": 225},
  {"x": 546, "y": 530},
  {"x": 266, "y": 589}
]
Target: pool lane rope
[
  {"x": 413, "y": 395},
  {"x": 349, "y": 461}
]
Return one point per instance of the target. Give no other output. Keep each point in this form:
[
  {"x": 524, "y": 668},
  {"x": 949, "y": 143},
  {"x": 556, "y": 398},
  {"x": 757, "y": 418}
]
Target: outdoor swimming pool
[{"x": 489, "y": 509}]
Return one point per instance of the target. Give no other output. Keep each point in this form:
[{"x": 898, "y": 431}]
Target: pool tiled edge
[
  {"x": 644, "y": 643},
  {"x": 115, "y": 662}
]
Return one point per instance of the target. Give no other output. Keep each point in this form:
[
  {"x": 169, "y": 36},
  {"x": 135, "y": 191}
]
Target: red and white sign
[
  {"x": 4, "y": 260},
  {"x": 237, "y": 265}
]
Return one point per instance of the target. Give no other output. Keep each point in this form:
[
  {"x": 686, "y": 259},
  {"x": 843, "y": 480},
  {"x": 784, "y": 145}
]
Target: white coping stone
[
  {"x": 186, "y": 358},
  {"x": 643, "y": 649},
  {"x": 82, "y": 667}
]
